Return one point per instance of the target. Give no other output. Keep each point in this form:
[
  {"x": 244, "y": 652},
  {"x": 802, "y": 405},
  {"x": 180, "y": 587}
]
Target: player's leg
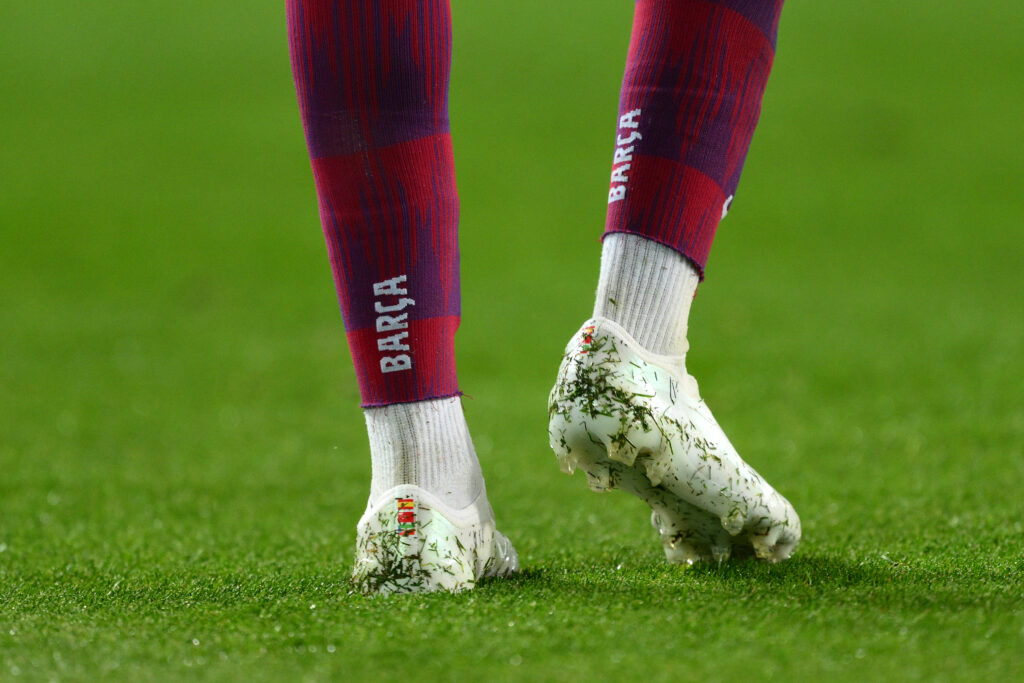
[
  {"x": 372, "y": 83},
  {"x": 624, "y": 408}
]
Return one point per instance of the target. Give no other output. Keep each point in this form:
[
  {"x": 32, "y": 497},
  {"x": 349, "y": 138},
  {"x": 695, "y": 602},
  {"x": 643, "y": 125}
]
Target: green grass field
[{"x": 182, "y": 459}]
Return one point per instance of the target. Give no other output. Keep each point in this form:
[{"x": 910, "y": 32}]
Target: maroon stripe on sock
[
  {"x": 432, "y": 354},
  {"x": 389, "y": 212},
  {"x": 670, "y": 203}
]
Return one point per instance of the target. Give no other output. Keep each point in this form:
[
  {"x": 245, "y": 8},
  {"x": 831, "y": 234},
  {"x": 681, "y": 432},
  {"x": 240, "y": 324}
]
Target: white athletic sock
[
  {"x": 426, "y": 443},
  {"x": 647, "y": 288}
]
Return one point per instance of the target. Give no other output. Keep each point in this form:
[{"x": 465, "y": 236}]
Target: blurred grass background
[{"x": 182, "y": 459}]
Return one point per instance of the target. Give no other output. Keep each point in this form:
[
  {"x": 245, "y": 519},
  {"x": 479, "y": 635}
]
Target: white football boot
[
  {"x": 409, "y": 541},
  {"x": 633, "y": 420}
]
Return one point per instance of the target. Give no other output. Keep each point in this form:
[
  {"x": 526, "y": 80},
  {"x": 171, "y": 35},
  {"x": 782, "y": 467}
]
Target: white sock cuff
[
  {"x": 647, "y": 288},
  {"x": 426, "y": 443}
]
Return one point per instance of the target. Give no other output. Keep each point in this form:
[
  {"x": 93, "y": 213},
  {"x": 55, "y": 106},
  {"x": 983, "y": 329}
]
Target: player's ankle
[
  {"x": 426, "y": 444},
  {"x": 647, "y": 289}
]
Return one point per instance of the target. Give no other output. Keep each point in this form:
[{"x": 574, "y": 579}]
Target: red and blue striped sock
[
  {"x": 691, "y": 98},
  {"x": 372, "y": 81}
]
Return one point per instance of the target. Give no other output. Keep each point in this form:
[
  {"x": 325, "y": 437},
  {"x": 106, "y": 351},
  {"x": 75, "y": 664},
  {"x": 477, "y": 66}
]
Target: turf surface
[{"x": 181, "y": 457}]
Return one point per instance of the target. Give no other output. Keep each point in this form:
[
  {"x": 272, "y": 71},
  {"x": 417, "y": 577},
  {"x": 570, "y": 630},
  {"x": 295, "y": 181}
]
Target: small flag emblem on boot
[
  {"x": 406, "y": 517},
  {"x": 588, "y": 339}
]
